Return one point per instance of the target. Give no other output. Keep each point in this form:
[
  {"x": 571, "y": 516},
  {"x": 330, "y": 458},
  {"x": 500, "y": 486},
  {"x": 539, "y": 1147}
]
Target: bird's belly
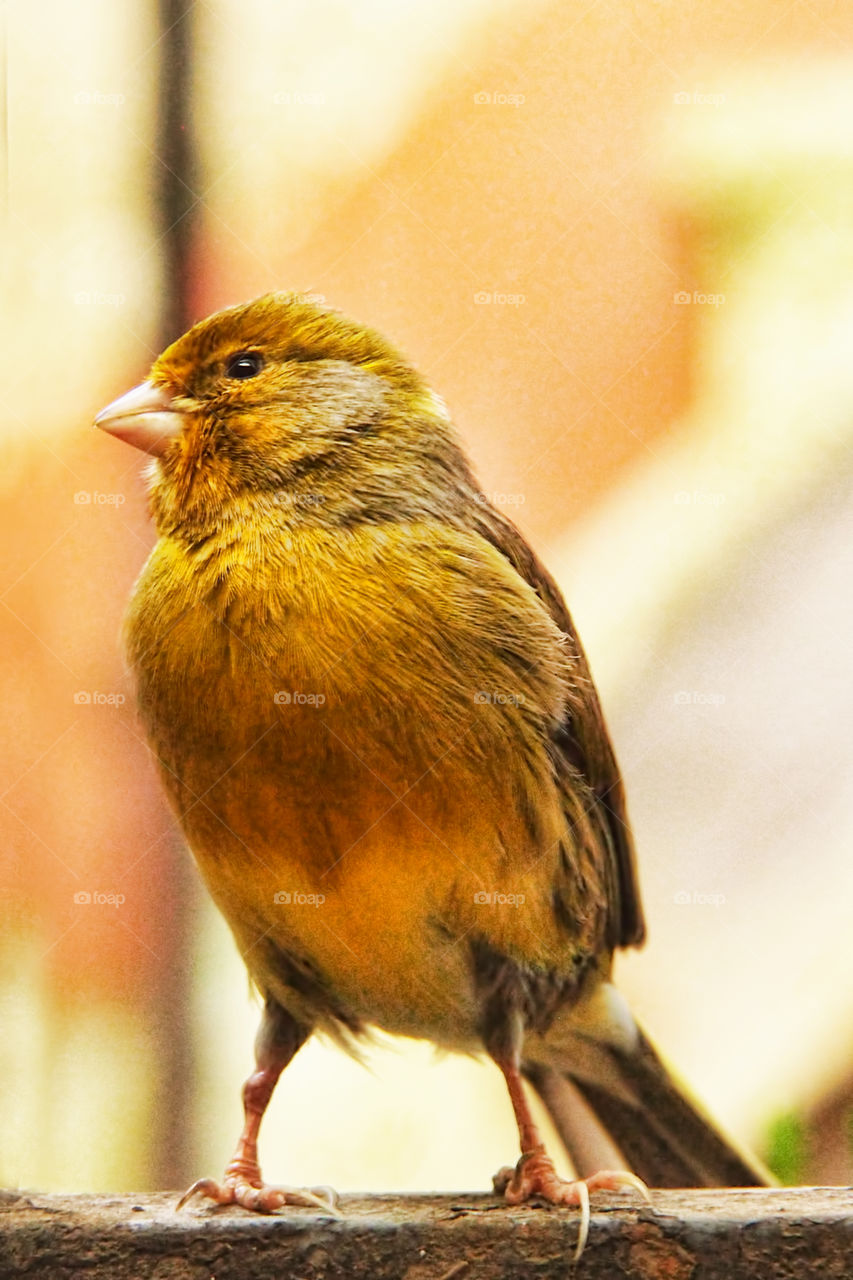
[
  {"x": 313, "y": 858},
  {"x": 360, "y": 824},
  {"x": 350, "y": 860}
]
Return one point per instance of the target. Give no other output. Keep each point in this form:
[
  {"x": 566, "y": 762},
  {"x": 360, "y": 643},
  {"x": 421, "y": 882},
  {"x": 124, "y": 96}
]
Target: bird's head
[{"x": 285, "y": 399}]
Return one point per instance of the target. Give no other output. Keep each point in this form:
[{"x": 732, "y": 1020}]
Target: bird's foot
[
  {"x": 243, "y": 1185},
  {"x": 535, "y": 1175}
]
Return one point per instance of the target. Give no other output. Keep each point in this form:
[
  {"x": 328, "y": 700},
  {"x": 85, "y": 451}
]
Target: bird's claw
[
  {"x": 535, "y": 1175},
  {"x": 260, "y": 1197}
]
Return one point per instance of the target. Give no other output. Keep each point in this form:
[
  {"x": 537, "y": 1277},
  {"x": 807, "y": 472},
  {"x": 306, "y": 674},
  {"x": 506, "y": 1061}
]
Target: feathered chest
[
  {"x": 341, "y": 714},
  {"x": 396, "y": 642}
]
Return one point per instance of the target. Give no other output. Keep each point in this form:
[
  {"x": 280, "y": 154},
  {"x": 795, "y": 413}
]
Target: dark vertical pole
[
  {"x": 176, "y": 174},
  {"x": 175, "y": 203}
]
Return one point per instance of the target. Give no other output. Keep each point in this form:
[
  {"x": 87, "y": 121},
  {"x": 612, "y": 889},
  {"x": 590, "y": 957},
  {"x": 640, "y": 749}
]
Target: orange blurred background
[{"x": 616, "y": 238}]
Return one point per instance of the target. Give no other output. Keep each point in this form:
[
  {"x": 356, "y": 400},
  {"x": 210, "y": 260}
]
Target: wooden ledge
[{"x": 686, "y": 1235}]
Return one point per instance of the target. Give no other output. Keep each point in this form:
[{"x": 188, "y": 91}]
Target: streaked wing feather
[{"x": 582, "y": 743}]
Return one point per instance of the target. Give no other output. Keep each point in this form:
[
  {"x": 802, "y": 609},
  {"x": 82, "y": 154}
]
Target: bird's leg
[
  {"x": 279, "y": 1037},
  {"x": 535, "y": 1175}
]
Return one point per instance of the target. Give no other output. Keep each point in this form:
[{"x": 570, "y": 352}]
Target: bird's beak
[{"x": 144, "y": 417}]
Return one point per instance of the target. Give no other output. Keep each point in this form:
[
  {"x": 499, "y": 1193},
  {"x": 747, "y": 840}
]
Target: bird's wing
[{"x": 581, "y": 745}]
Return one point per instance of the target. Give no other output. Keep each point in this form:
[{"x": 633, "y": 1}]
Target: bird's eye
[{"x": 245, "y": 364}]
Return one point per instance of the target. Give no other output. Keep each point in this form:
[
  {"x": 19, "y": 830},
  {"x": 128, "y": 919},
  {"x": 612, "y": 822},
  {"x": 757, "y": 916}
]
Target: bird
[{"x": 377, "y": 727}]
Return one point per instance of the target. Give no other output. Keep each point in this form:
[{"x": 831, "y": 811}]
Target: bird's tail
[{"x": 657, "y": 1129}]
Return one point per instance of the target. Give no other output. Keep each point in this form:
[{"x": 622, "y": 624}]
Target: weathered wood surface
[{"x": 685, "y": 1235}]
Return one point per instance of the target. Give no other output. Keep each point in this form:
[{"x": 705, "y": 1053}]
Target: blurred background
[{"x": 618, "y": 239}]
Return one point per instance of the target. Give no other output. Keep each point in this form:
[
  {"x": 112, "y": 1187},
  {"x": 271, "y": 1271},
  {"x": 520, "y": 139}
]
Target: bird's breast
[{"x": 354, "y": 755}]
